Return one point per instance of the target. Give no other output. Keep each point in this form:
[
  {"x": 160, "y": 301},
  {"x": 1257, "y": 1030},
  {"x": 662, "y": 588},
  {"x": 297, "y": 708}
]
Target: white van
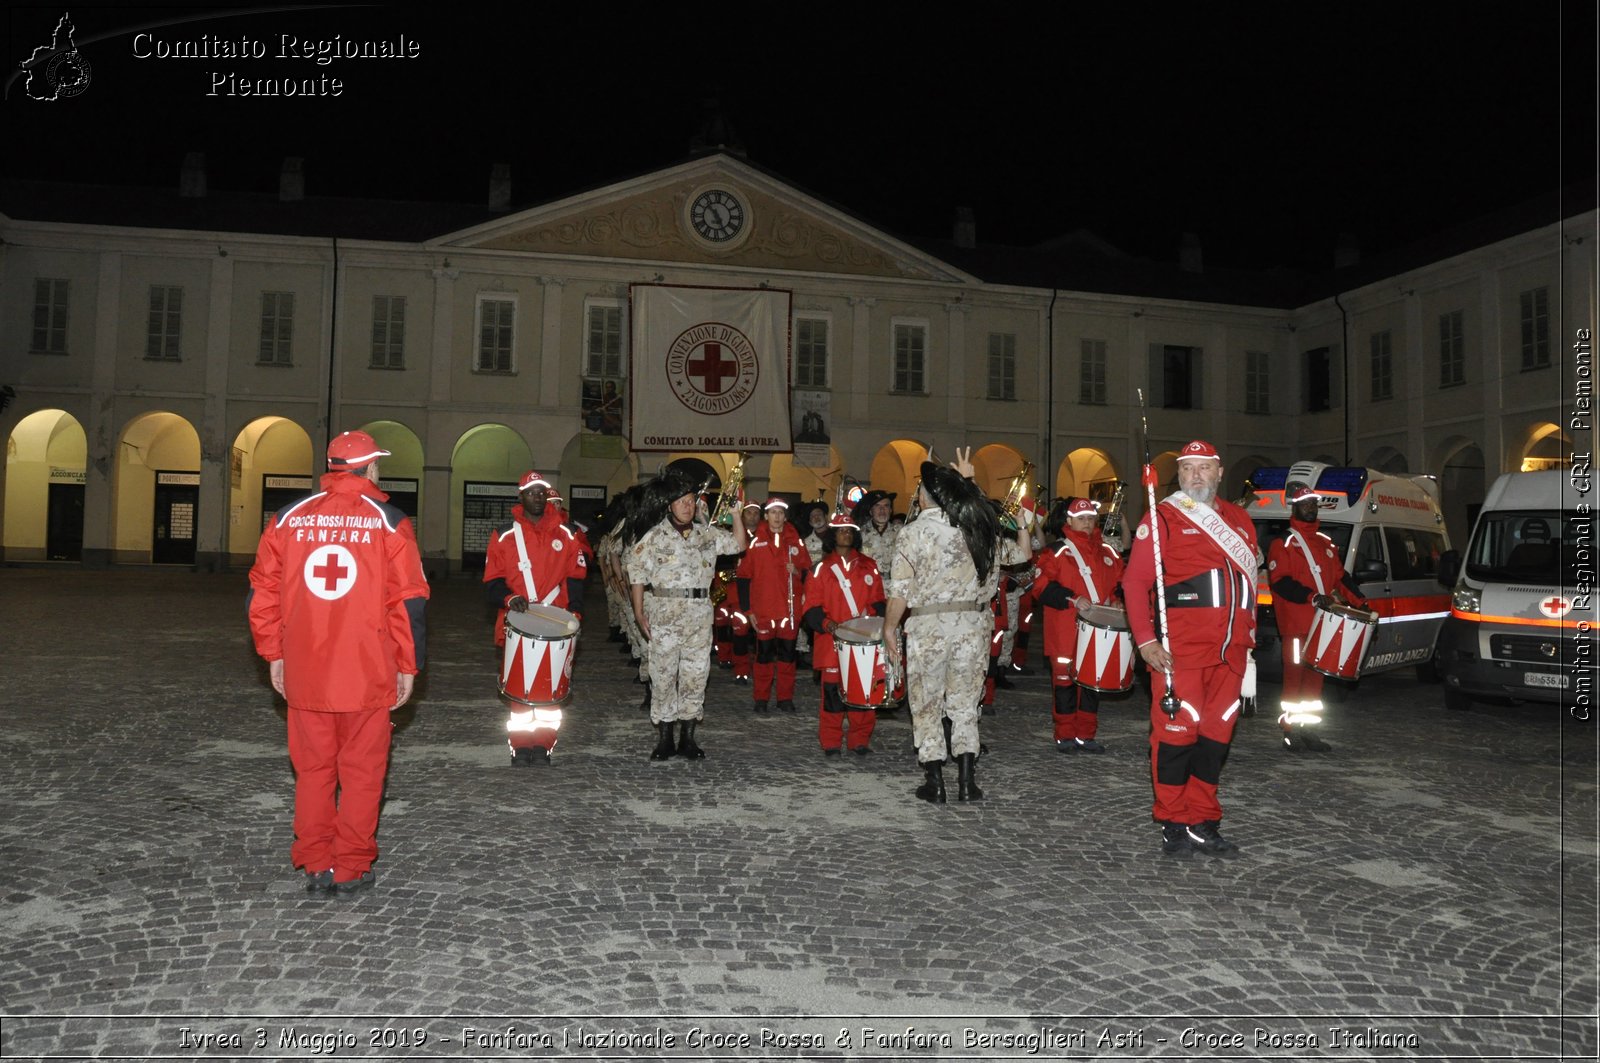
[
  {"x": 1522, "y": 618},
  {"x": 1390, "y": 535}
]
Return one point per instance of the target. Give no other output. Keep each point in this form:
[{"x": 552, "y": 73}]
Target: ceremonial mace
[{"x": 1169, "y": 700}]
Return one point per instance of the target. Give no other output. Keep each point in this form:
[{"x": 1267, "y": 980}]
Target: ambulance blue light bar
[
  {"x": 1270, "y": 477},
  {"x": 1350, "y": 482}
]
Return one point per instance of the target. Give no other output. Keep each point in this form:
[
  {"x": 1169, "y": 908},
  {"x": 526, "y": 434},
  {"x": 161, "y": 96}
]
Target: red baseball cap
[
  {"x": 1199, "y": 449},
  {"x": 531, "y": 479},
  {"x": 352, "y": 450},
  {"x": 1083, "y": 507},
  {"x": 842, "y": 520},
  {"x": 775, "y": 501}
]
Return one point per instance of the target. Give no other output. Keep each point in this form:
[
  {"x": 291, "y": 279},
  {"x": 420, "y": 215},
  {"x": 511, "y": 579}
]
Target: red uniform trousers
[
  {"x": 344, "y": 754},
  {"x": 775, "y": 640},
  {"x": 1026, "y": 605},
  {"x": 1300, "y": 683},
  {"x": 1187, "y": 751},
  {"x": 835, "y": 715}
]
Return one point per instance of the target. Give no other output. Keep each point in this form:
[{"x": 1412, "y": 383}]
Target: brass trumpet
[
  {"x": 1011, "y": 505},
  {"x": 1111, "y": 519},
  {"x": 728, "y": 498}
]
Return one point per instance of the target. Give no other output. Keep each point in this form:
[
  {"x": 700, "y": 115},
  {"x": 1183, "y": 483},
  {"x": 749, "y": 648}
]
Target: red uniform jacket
[
  {"x": 337, "y": 594},
  {"x": 1212, "y": 619},
  {"x": 764, "y": 577},
  {"x": 1061, "y": 580},
  {"x": 1293, "y": 585},
  {"x": 555, "y": 561},
  {"x": 826, "y": 599}
]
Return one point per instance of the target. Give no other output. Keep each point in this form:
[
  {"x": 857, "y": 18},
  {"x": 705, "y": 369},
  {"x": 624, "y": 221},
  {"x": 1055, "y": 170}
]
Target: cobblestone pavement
[{"x": 1426, "y": 889}]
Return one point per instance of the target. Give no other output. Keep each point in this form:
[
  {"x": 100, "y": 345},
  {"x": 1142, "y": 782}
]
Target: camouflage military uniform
[
  {"x": 879, "y": 545},
  {"x": 947, "y": 653},
  {"x": 680, "y": 628}
]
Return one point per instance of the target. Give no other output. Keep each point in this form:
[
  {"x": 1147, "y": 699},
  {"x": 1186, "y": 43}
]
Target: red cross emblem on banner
[
  {"x": 330, "y": 572},
  {"x": 712, "y": 368}
]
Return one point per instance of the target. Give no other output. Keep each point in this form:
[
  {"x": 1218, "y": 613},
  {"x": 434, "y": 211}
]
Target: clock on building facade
[{"x": 718, "y": 217}]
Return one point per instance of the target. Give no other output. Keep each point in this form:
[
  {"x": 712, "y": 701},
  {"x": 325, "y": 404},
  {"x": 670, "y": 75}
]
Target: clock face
[{"x": 717, "y": 216}]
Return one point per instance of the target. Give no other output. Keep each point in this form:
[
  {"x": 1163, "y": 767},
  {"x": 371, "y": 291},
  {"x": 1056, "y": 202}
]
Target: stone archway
[
  {"x": 1545, "y": 446},
  {"x": 1087, "y": 472},
  {"x": 1462, "y": 485},
  {"x": 156, "y": 491},
  {"x": 46, "y": 477},
  {"x": 1388, "y": 459},
  {"x": 896, "y": 468},
  {"x": 484, "y": 466},
  {"x": 270, "y": 465}
]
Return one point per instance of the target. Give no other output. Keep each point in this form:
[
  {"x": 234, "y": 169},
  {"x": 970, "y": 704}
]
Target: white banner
[{"x": 710, "y": 369}]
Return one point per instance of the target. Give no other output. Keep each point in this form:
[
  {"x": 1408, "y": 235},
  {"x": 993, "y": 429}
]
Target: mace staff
[{"x": 1169, "y": 700}]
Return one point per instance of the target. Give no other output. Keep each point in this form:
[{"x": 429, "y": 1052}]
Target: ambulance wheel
[
  {"x": 1427, "y": 671},
  {"x": 1456, "y": 701}
]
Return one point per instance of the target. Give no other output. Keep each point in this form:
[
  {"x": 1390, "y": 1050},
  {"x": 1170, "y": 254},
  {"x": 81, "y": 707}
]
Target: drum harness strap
[
  {"x": 526, "y": 568},
  {"x": 1311, "y": 562},
  {"x": 844, "y": 585},
  {"x": 1083, "y": 569}
]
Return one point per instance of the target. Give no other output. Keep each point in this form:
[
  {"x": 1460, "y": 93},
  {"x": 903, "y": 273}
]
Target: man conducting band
[
  {"x": 670, "y": 565},
  {"x": 944, "y": 572},
  {"x": 537, "y": 559},
  {"x": 1208, "y": 553},
  {"x": 1304, "y": 570}
]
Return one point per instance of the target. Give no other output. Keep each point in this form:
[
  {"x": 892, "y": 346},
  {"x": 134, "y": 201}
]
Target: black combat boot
[
  {"x": 933, "y": 788},
  {"x": 644, "y": 706},
  {"x": 687, "y": 746},
  {"x": 664, "y": 747},
  {"x": 967, "y": 778}
]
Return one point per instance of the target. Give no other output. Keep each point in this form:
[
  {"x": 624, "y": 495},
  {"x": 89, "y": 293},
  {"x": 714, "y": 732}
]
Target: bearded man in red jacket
[
  {"x": 1209, "y": 560},
  {"x": 337, "y": 609}
]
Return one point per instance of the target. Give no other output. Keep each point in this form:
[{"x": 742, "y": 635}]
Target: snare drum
[
  {"x": 1337, "y": 641},
  {"x": 862, "y": 668},
  {"x": 1105, "y": 648},
  {"x": 537, "y": 666}
]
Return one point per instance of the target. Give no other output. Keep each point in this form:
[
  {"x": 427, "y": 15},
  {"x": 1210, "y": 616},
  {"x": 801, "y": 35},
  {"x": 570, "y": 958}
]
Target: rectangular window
[
  {"x": 1319, "y": 379},
  {"x": 1256, "y": 388},
  {"x": 1175, "y": 377},
  {"x": 1002, "y": 365},
  {"x": 1536, "y": 328},
  {"x": 810, "y": 352},
  {"x": 277, "y": 328},
  {"x": 496, "y": 319},
  {"x": 910, "y": 358},
  {"x": 602, "y": 351},
  {"x": 388, "y": 332},
  {"x": 1382, "y": 366},
  {"x": 49, "y": 316},
  {"x": 1092, "y": 373},
  {"x": 1452, "y": 350},
  {"x": 165, "y": 323}
]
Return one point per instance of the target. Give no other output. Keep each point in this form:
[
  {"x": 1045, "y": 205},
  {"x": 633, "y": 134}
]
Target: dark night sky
[{"x": 1265, "y": 128}]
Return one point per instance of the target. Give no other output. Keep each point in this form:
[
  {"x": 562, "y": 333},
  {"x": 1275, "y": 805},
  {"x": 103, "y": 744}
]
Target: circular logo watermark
[{"x": 712, "y": 368}]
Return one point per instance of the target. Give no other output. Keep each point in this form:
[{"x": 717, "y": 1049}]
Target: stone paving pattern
[{"x": 1435, "y": 875}]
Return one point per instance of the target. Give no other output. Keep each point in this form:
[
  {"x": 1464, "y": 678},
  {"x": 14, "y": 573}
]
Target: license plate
[{"x": 1544, "y": 679}]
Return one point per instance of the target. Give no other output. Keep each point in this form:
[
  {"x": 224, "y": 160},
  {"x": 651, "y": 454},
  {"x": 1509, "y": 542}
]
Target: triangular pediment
[{"x": 652, "y": 219}]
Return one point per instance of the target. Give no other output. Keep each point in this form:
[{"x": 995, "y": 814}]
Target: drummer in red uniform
[
  {"x": 537, "y": 559},
  {"x": 771, "y": 586},
  {"x": 1208, "y": 553},
  {"x": 1082, "y": 567},
  {"x": 1304, "y": 570},
  {"x": 844, "y": 585}
]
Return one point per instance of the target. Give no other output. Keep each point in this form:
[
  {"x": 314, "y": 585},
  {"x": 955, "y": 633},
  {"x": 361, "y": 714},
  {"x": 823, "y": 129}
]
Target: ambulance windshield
[{"x": 1539, "y": 547}]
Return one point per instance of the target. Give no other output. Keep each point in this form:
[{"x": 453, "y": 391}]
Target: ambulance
[
  {"x": 1523, "y": 614},
  {"x": 1390, "y": 535}
]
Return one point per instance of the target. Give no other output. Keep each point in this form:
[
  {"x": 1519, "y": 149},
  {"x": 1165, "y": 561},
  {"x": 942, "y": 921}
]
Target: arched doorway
[
  {"x": 806, "y": 483},
  {"x": 995, "y": 466},
  {"x": 1388, "y": 459},
  {"x": 46, "y": 473},
  {"x": 896, "y": 468},
  {"x": 156, "y": 491},
  {"x": 1238, "y": 474},
  {"x": 485, "y": 463},
  {"x": 1545, "y": 446},
  {"x": 594, "y": 469},
  {"x": 270, "y": 467},
  {"x": 402, "y": 469},
  {"x": 1086, "y": 473},
  {"x": 1461, "y": 485}
]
